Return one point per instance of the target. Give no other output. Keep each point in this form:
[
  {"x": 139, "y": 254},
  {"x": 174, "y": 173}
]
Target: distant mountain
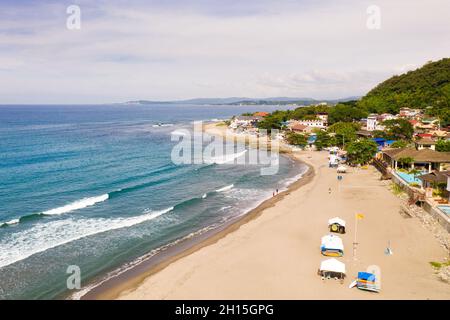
[
  {"x": 242, "y": 100},
  {"x": 420, "y": 88}
]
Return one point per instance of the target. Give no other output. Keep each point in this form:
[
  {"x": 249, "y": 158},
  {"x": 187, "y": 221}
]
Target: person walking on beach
[
  {"x": 329, "y": 190},
  {"x": 277, "y": 191}
]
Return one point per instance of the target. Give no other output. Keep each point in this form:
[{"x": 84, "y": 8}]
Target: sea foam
[
  {"x": 80, "y": 204},
  {"x": 43, "y": 236}
]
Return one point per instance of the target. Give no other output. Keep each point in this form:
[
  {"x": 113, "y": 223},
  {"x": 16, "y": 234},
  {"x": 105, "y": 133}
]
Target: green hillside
[{"x": 421, "y": 88}]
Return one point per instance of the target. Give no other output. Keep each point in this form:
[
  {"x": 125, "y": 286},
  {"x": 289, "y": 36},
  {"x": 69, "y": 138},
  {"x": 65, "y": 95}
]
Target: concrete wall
[{"x": 438, "y": 215}]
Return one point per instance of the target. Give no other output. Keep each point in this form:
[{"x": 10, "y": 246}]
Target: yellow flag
[{"x": 359, "y": 216}]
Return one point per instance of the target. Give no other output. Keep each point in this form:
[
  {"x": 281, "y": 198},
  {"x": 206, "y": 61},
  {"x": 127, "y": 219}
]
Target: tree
[
  {"x": 323, "y": 140},
  {"x": 426, "y": 86},
  {"x": 443, "y": 145},
  {"x": 361, "y": 151},
  {"x": 345, "y": 113},
  {"x": 415, "y": 172},
  {"x": 268, "y": 123},
  {"x": 398, "y": 129},
  {"x": 296, "y": 139},
  {"x": 405, "y": 161},
  {"x": 399, "y": 144},
  {"x": 345, "y": 132}
]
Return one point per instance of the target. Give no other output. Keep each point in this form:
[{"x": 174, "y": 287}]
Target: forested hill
[{"x": 423, "y": 87}]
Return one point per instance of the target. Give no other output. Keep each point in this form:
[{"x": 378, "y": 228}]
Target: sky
[{"x": 181, "y": 49}]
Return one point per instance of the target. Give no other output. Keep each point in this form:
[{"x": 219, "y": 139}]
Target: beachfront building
[
  {"x": 245, "y": 122},
  {"x": 323, "y": 116},
  {"x": 436, "y": 182},
  {"x": 424, "y": 159},
  {"x": 448, "y": 185},
  {"x": 316, "y": 123},
  {"x": 300, "y": 128},
  {"x": 425, "y": 143},
  {"x": 261, "y": 114}
]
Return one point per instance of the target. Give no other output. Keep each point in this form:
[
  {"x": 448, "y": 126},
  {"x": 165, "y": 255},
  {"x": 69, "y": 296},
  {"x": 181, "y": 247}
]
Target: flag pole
[{"x": 354, "y": 241}]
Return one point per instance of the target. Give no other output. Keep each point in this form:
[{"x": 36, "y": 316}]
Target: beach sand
[{"x": 275, "y": 252}]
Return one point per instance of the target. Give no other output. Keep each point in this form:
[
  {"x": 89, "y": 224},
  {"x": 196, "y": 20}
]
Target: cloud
[{"x": 182, "y": 49}]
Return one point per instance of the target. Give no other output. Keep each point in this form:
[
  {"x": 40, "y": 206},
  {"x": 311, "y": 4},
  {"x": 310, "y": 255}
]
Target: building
[
  {"x": 372, "y": 122},
  {"x": 386, "y": 116},
  {"x": 436, "y": 180},
  {"x": 323, "y": 116},
  {"x": 424, "y": 159},
  {"x": 316, "y": 123},
  {"x": 425, "y": 143},
  {"x": 261, "y": 114},
  {"x": 409, "y": 113},
  {"x": 300, "y": 128},
  {"x": 244, "y": 121},
  {"x": 448, "y": 184}
]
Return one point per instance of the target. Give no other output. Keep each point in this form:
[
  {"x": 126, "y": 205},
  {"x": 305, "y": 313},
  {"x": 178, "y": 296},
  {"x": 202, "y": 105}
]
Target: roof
[
  {"x": 364, "y": 133},
  {"x": 248, "y": 118},
  {"x": 336, "y": 220},
  {"x": 298, "y": 127},
  {"x": 332, "y": 242},
  {"x": 261, "y": 114},
  {"x": 332, "y": 265},
  {"x": 423, "y": 135},
  {"x": 425, "y": 141},
  {"x": 435, "y": 176},
  {"x": 424, "y": 155}
]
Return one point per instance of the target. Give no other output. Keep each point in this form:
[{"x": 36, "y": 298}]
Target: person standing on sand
[
  {"x": 329, "y": 190},
  {"x": 277, "y": 191}
]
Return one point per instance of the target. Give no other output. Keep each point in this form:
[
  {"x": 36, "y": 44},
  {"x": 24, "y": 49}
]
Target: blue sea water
[{"x": 94, "y": 186}]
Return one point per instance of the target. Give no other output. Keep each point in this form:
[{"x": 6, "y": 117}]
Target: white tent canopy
[
  {"x": 337, "y": 220},
  {"x": 332, "y": 242},
  {"x": 332, "y": 265}
]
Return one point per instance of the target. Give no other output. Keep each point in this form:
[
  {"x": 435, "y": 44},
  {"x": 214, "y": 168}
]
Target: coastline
[
  {"x": 133, "y": 277},
  {"x": 273, "y": 252}
]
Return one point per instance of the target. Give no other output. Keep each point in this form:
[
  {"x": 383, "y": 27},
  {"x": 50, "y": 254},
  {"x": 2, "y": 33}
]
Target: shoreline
[
  {"x": 273, "y": 252},
  {"x": 132, "y": 278}
]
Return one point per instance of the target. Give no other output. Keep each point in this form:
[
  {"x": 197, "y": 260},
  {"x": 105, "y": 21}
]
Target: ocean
[{"x": 94, "y": 186}]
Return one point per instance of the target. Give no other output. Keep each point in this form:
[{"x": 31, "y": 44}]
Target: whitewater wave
[
  {"x": 80, "y": 204},
  {"x": 76, "y": 205},
  {"x": 10, "y": 222},
  {"x": 179, "y": 133},
  {"x": 113, "y": 274},
  {"x": 44, "y": 236},
  {"x": 229, "y": 187},
  {"x": 226, "y": 158}
]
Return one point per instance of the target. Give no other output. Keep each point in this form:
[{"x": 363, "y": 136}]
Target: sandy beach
[{"x": 275, "y": 252}]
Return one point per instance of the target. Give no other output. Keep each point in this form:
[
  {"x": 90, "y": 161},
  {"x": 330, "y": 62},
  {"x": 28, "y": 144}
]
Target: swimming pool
[
  {"x": 445, "y": 209},
  {"x": 409, "y": 178}
]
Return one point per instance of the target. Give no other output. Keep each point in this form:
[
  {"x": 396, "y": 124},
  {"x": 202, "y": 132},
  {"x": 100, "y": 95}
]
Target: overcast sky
[{"x": 159, "y": 50}]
